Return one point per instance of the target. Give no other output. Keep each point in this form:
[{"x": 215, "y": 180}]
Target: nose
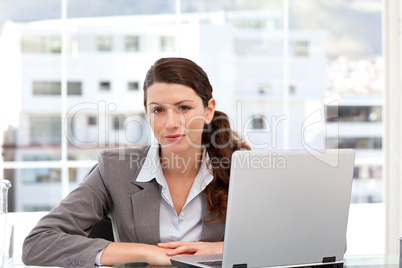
[{"x": 173, "y": 119}]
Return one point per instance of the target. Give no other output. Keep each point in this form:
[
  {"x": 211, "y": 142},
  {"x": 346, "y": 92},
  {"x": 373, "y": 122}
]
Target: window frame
[
  {"x": 392, "y": 169},
  {"x": 392, "y": 44}
]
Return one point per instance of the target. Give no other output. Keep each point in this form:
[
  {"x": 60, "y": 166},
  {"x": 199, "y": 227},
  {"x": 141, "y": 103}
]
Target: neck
[{"x": 183, "y": 165}]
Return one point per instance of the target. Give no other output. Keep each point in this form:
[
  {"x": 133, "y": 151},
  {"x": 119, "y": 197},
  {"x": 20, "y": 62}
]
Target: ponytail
[{"x": 220, "y": 142}]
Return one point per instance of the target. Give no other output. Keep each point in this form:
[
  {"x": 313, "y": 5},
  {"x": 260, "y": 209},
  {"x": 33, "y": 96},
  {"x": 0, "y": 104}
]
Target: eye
[
  {"x": 157, "y": 110},
  {"x": 184, "y": 108}
]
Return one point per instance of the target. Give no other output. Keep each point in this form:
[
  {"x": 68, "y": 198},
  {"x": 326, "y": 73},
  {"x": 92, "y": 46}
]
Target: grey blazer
[{"x": 60, "y": 238}]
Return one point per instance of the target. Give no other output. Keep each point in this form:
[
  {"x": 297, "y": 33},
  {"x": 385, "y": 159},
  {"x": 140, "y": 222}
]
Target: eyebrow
[{"x": 175, "y": 104}]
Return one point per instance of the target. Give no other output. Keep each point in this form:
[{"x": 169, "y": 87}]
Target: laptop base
[{"x": 180, "y": 264}]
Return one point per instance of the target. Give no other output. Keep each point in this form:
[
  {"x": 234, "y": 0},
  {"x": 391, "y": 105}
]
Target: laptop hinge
[
  {"x": 328, "y": 259},
  {"x": 243, "y": 265}
]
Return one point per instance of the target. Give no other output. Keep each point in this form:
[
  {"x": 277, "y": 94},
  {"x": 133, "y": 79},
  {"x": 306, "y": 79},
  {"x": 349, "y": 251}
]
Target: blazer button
[
  {"x": 75, "y": 262},
  {"x": 81, "y": 262},
  {"x": 68, "y": 262}
]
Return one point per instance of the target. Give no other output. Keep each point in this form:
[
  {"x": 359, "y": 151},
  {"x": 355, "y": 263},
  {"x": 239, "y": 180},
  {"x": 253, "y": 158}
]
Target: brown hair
[{"x": 219, "y": 140}]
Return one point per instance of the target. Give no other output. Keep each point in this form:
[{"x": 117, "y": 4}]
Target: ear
[{"x": 210, "y": 111}]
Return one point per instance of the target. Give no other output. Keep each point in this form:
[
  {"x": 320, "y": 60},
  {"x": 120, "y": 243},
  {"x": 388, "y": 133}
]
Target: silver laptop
[{"x": 285, "y": 209}]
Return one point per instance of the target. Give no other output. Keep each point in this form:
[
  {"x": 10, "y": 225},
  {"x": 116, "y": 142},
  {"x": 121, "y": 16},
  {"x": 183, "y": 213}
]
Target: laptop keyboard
[{"x": 217, "y": 264}]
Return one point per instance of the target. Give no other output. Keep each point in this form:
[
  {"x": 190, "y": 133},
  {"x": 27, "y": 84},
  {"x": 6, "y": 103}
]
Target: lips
[{"x": 175, "y": 137}]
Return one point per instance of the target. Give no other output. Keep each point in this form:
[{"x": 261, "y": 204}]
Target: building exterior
[{"x": 106, "y": 61}]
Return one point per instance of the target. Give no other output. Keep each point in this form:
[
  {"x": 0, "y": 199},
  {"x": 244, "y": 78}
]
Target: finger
[
  {"x": 170, "y": 244},
  {"x": 184, "y": 249}
]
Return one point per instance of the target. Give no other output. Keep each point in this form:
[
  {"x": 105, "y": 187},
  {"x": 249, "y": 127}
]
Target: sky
[{"x": 353, "y": 26}]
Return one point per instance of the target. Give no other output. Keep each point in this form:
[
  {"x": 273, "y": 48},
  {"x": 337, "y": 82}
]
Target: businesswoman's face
[{"x": 177, "y": 116}]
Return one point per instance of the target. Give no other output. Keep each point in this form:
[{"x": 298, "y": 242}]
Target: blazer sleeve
[{"x": 60, "y": 238}]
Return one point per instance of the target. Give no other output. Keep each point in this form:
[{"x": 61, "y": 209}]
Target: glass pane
[
  {"x": 240, "y": 44},
  {"x": 115, "y": 47},
  {"x": 30, "y": 92},
  {"x": 241, "y": 49},
  {"x": 34, "y": 102},
  {"x": 222, "y": 5},
  {"x": 33, "y": 189},
  {"x": 354, "y": 77},
  {"x": 79, "y": 9},
  {"x": 344, "y": 62},
  {"x": 30, "y": 115}
]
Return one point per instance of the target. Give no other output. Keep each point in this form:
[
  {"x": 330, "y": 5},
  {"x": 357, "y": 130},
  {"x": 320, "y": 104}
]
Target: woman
[{"x": 163, "y": 200}]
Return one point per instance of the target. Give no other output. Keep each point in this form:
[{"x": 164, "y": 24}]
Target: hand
[
  {"x": 118, "y": 252},
  {"x": 157, "y": 256},
  {"x": 192, "y": 248}
]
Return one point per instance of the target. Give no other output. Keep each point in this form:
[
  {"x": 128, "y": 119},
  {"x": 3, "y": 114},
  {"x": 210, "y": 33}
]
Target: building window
[
  {"x": 33, "y": 208},
  {"x": 354, "y": 113},
  {"x": 92, "y": 120},
  {"x": 250, "y": 23},
  {"x": 367, "y": 172},
  {"x": 264, "y": 89},
  {"x": 54, "y": 88},
  {"x": 301, "y": 48},
  {"x": 44, "y": 175},
  {"x": 355, "y": 143},
  {"x": 45, "y": 130},
  {"x": 133, "y": 86},
  {"x": 46, "y": 88},
  {"x": 41, "y": 44},
  {"x": 118, "y": 122},
  {"x": 132, "y": 43},
  {"x": 104, "y": 42},
  {"x": 258, "y": 122},
  {"x": 292, "y": 90},
  {"x": 41, "y": 175},
  {"x": 104, "y": 86},
  {"x": 167, "y": 44},
  {"x": 74, "y": 88}
]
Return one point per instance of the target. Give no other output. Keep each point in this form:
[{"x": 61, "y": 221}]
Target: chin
[{"x": 175, "y": 148}]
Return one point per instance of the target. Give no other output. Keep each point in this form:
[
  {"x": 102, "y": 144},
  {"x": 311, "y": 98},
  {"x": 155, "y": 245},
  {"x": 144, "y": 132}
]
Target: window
[
  {"x": 54, "y": 88},
  {"x": 367, "y": 184},
  {"x": 41, "y": 44},
  {"x": 241, "y": 46},
  {"x": 104, "y": 86},
  {"x": 39, "y": 207},
  {"x": 355, "y": 113},
  {"x": 292, "y": 90},
  {"x": 104, "y": 42},
  {"x": 74, "y": 88},
  {"x": 45, "y": 130},
  {"x": 41, "y": 175},
  {"x": 355, "y": 143},
  {"x": 167, "y": 44},
  {"x": 118, "y": 122},
  {"x": 46, "y": 88},
  {"x": 44, "y": 175},
  {"x": 368, "y": 172},
  {"x": 301, "y": 48},
  {"x": 258, "y": 122},
  {"x": 92, "y": 120},
  {"x": 264, "y": 89},
  {"x": 133, "y": 86},
  {"x": 132, "y": 43}
]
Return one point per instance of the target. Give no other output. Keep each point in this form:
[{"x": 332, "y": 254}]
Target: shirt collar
[{"x": 151, "y": 169}]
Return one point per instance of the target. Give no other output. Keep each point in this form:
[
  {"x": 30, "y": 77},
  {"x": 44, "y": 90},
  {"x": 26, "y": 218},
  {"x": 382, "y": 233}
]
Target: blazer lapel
[{"x": 146, "y": 206}]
